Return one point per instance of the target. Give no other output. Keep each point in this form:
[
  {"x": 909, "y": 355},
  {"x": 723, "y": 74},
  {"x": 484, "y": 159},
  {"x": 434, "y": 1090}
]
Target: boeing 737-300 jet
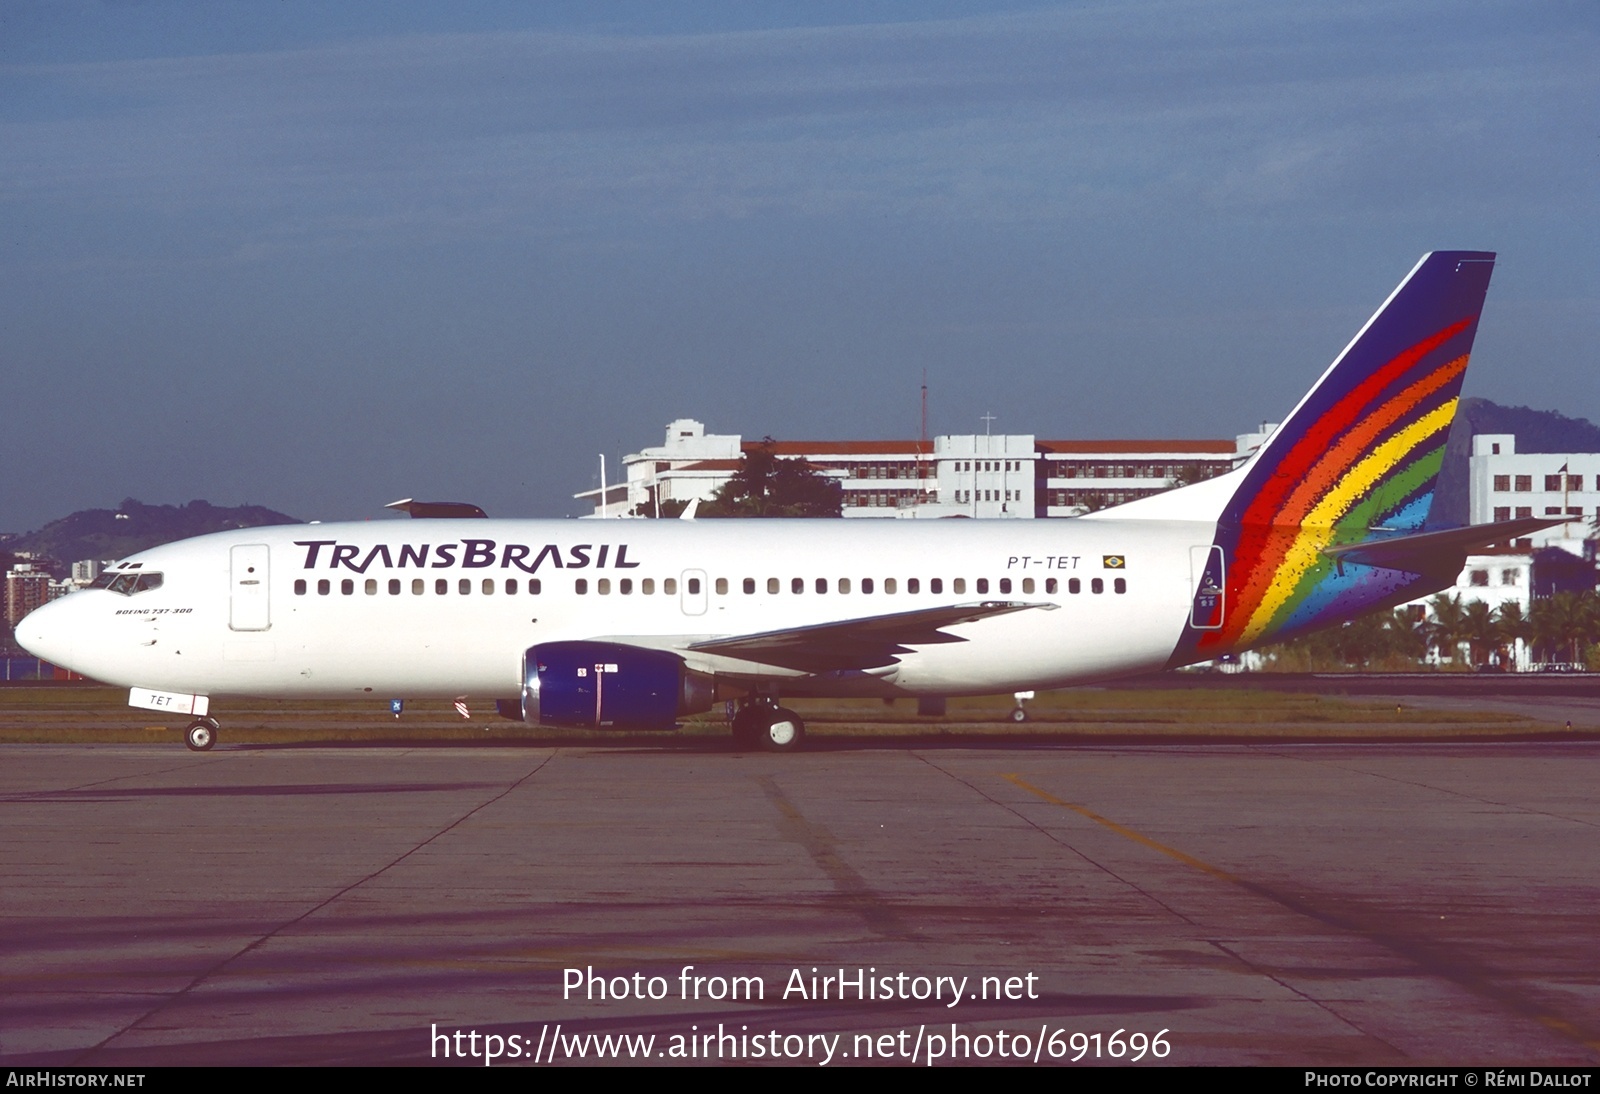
[{"x": 632, "y": 624}]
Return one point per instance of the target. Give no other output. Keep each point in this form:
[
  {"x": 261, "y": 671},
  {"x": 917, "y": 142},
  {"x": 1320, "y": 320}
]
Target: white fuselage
[{"x": 422, "y": 608}]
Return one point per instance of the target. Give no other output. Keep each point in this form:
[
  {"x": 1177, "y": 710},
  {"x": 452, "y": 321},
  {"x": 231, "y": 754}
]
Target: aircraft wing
[
  {"x": 857, "y": 643},
  {"x": 1437, "y": 552}
]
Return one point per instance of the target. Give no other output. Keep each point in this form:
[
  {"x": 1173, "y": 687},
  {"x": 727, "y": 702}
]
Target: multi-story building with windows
[
  {"x": 1506, "y": 484},
  {"x": 27, "y": 588},
  {"x": 960, "y": 475}
]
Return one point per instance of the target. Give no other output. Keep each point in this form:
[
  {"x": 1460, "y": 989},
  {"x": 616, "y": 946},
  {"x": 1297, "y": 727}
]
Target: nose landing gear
[
  {"x": 1019, "y": 713},
  {"x": 201, "y": 734}
]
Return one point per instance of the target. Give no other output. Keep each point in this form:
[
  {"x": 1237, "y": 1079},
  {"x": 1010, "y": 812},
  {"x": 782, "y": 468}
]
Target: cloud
[{"x": 1066, "y": 114}]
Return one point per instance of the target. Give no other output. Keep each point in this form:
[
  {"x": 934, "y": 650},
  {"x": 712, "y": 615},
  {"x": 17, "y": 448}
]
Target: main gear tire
[{"x": 782, "y": 730}]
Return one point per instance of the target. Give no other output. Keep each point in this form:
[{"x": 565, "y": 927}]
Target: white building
[
  {"x": 1010, "y": 475},
  {"x": 1506, "y": 484},
  {"x": 86, "y": 570},
  {"x": 1497, "y": 576},
  {"x": 1080, "y": 476}
]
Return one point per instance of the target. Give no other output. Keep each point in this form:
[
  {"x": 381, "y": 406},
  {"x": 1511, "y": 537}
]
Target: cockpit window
[{"x": 130, "y": 583}]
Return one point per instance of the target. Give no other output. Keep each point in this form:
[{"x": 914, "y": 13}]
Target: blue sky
[{"x": 319, "y": 257}]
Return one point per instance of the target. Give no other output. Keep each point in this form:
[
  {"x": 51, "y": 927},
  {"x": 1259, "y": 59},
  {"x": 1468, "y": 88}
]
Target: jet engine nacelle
[{"x": 603, "y": 685}]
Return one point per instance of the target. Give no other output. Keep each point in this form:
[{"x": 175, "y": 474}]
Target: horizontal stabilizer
[
  {"x": 857, "y": 643},
  {"x": 1441, "y": 552}
]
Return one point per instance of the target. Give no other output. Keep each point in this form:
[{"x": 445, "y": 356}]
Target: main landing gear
[
  {"x": 201, "y": 734},
  {"x": 765, "y": 725}
]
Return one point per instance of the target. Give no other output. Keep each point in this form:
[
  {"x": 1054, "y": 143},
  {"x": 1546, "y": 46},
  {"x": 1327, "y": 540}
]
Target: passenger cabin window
[
  {"x": 299, "y": 586},
  {"x": 581, "y": 586},
  {"x": 465, "y": 585},
  {"x": 866, "y": 585},
  {"x": 844, "y": 584},
  {"x": 1119, "y": 585},
  {"x": 347, "y": 586},
  {"x": 983, "y": 585},
  {"x": 889, "y": 585},
  {"x": 749, "y": 585},
  {"x": 648, "y": 586},
  {"x": 625, "y": 586},
  {"x": 1051, "y": 586},
  {"x": 603, "y": 586},
  {"x": 324, "y": 586},
  {"x": 912, "y": 585},
  {"x": 958, "y": 586},
  {"x": 394, "y": 586},
  {"x": 774, "y": 585},
  {"x": 935, "y": 585},
  {"x": 371, "y": 587},
  {"x": 822, "y": 584},
  {"x": 798, "y": 585},
  {"x": 488, "y": 586},
  {"x": 511, "y": 586},
  {"x": 1074, "y": 586},
  {"x": 418, "y": 586},
  {"x": 1097, "y": 586},
  {"x": 441, "y": 587},
  {"x": 535, "y": 586},
  {"x": 669, "y": 586},
  {"x": 694, "y": 586},
  {"x": 1005, "y": 584}
]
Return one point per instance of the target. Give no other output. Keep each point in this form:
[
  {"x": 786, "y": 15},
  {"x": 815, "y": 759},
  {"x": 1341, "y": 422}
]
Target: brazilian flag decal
[{"x": 1113, "y": 562}]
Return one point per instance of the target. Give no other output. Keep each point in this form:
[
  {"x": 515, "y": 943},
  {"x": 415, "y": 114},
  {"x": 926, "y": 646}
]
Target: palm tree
[
  {"x": 1565, "y": 622},
  {"x": 1478, "y": 630},
  {"x": 1362, "y": 640},
  {"x": 1405, "y": 640},
  {"x": 1514, "y": 627},
  {"x": 1444, "y": 625}
]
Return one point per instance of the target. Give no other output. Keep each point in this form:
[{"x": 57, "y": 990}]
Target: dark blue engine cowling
[{"x": 603, "y": 685}]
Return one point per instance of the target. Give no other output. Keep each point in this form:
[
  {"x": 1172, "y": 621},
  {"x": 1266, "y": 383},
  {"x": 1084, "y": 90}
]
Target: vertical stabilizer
[{"x": 1357, "y": 459}]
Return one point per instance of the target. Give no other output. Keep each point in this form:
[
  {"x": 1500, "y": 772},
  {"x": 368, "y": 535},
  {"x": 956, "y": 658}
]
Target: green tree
[
  {"x": 1480, "y": 631},
  {"x": 1387, "y": 641},
  {"x": 1405, "y": 639},
  {"x": 1513, "y": 625},
  {"x": 766, "y": 486},
  {"x": 1188, "y": 474},
  {"x": 1444, "y": 627},
  {"x": 668, "y": 509},
  {"x": 1564, "y": 624}
]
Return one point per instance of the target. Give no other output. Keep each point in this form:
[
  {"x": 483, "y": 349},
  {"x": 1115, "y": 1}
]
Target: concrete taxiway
[{"x": 1261, "y": 903}]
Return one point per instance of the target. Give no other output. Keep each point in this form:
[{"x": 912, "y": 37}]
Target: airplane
[{"x": 633, "y": 624}]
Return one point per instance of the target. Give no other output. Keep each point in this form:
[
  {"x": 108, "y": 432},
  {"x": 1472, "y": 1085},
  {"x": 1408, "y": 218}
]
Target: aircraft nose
[{"x": 43, "y": 633}]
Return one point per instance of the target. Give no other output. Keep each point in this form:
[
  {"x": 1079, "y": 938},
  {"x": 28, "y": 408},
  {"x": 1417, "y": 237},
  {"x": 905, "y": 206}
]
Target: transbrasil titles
[{"x": 467, "y": 554}]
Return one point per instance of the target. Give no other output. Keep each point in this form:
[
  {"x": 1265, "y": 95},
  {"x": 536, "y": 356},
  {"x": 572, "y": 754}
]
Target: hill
[
  {"x": 1536, "y": 430},
  {"x": 135, "y": 526}
]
